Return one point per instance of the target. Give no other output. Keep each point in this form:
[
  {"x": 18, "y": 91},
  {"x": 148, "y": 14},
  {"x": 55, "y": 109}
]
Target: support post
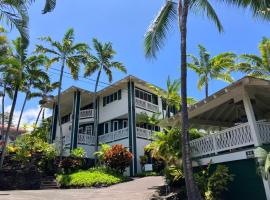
[
  {"x": 251, "y": 118},
  {"x": 75, "y": 119}
]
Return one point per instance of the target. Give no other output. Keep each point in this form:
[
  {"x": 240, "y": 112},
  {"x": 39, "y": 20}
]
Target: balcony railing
[
  {"x": 143, "y": 133},
  {"x": 146, "y": 105},
  {"x": 86, "y": 113},
  {"x": 229, "y": 139},
  {"x": 113, "y": 136},
  {"x": 81, "y": 139}
]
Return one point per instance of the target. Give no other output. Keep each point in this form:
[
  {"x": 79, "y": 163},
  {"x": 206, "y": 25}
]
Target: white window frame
[
  {"x": 109, "y": 127},
  {"x": 89, "y": 130}
]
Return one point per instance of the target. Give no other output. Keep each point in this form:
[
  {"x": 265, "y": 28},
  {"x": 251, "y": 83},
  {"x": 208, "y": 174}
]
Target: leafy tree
[
  {"x": 103, "y": 61},
  {"x": 12, "y": 68},
  {"x": 257, "y": 66},
  {"x": 155, "y": 40},
  {"x": 69, "y": 54},
  {"x": 209, "y": 68}
]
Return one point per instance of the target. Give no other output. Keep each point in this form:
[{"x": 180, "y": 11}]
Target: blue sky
[{"x": 124, "y": 23}]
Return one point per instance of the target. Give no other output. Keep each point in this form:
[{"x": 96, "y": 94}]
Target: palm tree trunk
[
  {"x": 9, "y": 124},
  {"x": 206, "y": 87},
  {"x": 24, "y": 102},
  {"x": 59, "y": 110},
  {"x": 192, "y": 190},
  {"x": 95, "y": 114},
  {"x": 38, "y": 118},
  {"x": 3, "y": 111}
]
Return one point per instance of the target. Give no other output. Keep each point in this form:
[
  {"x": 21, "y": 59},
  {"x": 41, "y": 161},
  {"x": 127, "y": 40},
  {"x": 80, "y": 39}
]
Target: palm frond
[
  {"x": 49, "y": 6},
  {"x": 159, "y": 28}
]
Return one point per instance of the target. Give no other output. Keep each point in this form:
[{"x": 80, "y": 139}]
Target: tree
[
  {"x": 209, "y": 68},
  {"x": 12, "y": 68},
  {"x": 171, "y": 95},
  {"x": 103, "y": 61},
  {"x": 68, "y": 54},
  {"x": 155, "y": 40},
  {"x": 257, "y": 66},
  {"x": 32, "y": 75}
]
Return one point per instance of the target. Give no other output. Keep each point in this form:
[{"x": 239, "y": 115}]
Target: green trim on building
[
  {"x": 75, "y": 119},
  {"x": 134, "y": 127},
  {"x": 54, "y": 123},
  {"x": 97, "y": 118},
  {"x": 130, "y": 130}
]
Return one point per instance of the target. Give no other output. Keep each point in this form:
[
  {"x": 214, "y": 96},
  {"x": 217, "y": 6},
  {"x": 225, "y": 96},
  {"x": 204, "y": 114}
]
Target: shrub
[
  {"x": 95, "y": 177},
  {"x": 118, "y": 158},
  {"x": 78, "y": 153},
  {"x": 174, "y": 175},
  {"x": 101, "y": 153},
  {"x": 69, "y": 164}
]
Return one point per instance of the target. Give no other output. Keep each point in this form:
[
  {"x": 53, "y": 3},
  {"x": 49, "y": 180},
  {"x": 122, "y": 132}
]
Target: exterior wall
[
  {"x": 141, "y": 143},
  {"x": 113, "y": 109},
  {"x": 88, "y": 149},
  {"x": 65, "y": 128}
]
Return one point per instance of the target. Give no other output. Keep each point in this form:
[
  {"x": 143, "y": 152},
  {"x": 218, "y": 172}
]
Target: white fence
[
  {"x": 143, "y": 133},
  {"x": 112, "y": 136},
  {"x": 146, "y": 105},
  {"x": 86, "y": 113},
  {"x": 229, "y": 139},
  {"x": 81, "y": 139}
]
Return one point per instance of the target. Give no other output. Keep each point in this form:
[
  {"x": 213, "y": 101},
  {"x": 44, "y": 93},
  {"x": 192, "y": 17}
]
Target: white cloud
[{"x": 29, "y": 115}]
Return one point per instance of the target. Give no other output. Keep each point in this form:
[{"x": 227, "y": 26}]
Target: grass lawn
[{"x": 95, "y": 177}]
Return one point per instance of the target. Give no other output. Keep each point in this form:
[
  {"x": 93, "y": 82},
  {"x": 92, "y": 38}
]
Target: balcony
[
  {"x": 229, "y": 139},
  {"x": 143, "y": 133},
  {"x": 146, "y": 105},
  {"x": 89, "y": 113},
  {"x": 84, "y": 139},
  {"x": 113, "y": 136}
]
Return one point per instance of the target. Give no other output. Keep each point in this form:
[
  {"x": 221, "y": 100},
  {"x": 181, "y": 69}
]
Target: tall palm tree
[
  {"x": 155, "y": 39},
  {"x": 257, "y": 66},
  {"x": 32, "y": 75},
  {"x": 103, "y": 61},
  {"x": 12, "y": 67},
  {"x": 209, "y": 68},
  {"x": 69, "y": 54}
]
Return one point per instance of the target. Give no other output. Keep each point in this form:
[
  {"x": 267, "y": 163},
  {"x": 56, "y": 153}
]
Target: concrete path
[{"x": 138, "y": 189}]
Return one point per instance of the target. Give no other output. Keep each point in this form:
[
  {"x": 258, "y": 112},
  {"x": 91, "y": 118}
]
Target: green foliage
[
  {"x": 69, "y": 165},
  {"x": 263, "y": 158},
  {"x": 101, "y": 153},
  {"x": 174, "y": 175},
  {"x": 94, "y": 177},
  {"x": 43, "y": 131},
  {"x": 78, "y": 153},
  {"x": 145, "y": 174},
  {"x": 143, "y": 160},
  {"x": 118, "y": 158}
]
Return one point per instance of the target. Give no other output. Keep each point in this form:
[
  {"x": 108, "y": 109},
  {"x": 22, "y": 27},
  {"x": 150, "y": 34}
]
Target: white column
[{"x": 251, "y": 118}]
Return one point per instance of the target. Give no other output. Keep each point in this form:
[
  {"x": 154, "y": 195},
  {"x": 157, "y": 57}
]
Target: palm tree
[
  {"x": 12, "y": 68},
  {"x": 171, "y": 95},
  {"x": 67, "y": 54},
  {"x": 209, "y": 68},
  {"x": 257, "y": 66},
  {"x": 103, "y": 61},
  {"x": 32, "y": 75},
  {"x": 155, "y": 39}
]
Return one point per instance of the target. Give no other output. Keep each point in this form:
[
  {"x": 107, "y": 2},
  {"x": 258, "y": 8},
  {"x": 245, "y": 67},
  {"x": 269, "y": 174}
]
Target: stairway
[{"x": 48, "y": 182}]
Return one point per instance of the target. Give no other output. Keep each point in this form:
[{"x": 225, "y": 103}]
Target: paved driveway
[{"x": 138, "y": 189}]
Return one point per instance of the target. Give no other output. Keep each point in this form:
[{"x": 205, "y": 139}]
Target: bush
[
  {"x": 78, "y": 153},
  {"x": 174, "y": 176},
  {"x": 118, "y": 158},
  {"x": 95, "y": 177},
  {"x": 69, "y": 164},
  {"x": 101, "y": 153}
]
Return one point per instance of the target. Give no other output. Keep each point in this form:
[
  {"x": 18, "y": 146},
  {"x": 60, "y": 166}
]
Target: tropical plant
[
  {"x": 257, "y": 66},
  {"x": 101, "y": 153},
  {"x": 118, "y": 158},
  {"x": 68, "y": 54},
  {"x": 155, "y": 40},
  {"x": 32, "y": 76},
  {"x": 78, "y": 153},
  {"x": 103, "y": 61},
  {"x": 207, "y": 68},
  {"x": 263, "y": 158},
  {"x": 12, "y": 68}
]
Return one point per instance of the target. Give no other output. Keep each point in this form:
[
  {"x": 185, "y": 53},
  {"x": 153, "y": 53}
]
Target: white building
[{"x": 117, "y": 107}]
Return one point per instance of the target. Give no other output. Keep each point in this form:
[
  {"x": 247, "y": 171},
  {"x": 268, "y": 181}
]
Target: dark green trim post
[
  {"x": 75, "y": 119},
  {"x": 132, "y": 128},
  {"x": 97, "y": 118},
  {"x": 54, "y": 123}
]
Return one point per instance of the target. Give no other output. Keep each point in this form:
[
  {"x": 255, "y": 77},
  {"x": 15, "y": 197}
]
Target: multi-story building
[{"x": 117, "y": 106}]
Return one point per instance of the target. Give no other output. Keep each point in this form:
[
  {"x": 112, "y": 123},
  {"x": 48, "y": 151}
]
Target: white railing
[
  {"x": 143, "y": 133},
  {"x": 112, "y": 136},
  {"x": 86, "y": 113},
  {"x": 86, "y": 139},
  {"x": 264, "y": 130},
  {"x": 146, "y": 105},
  {"x": 228, "y": 139}
]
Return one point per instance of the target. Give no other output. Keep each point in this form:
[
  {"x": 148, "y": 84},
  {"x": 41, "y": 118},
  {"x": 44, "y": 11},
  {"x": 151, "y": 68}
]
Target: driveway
[{"x": 138, "y": 189}]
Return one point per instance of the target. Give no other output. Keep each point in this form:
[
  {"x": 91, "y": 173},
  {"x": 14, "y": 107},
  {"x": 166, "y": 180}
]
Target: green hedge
[{"x": 95, "y": 177}]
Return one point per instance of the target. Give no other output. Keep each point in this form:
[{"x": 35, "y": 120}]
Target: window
[
  {"x": 88, "y": 130},
  {"x": 146, "y": 96},
  {"x": 81, "y": 130},
  {"x": 115, "y": 125},
  {"x": 65, "y": 119},
  {"x": 112, "y": 97},
  {"x": 106, "y": 127},
  {"x": 125, "y": 123}
]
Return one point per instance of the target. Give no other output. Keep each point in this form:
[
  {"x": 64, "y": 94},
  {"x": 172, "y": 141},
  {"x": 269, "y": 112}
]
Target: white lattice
[
  {"x": 264, "y": 129},
  {"x": 143, "y": 133},
  {"x": 86, "y": 139},
  {"x": 202, "y": 146},
  {"x": 146, "y": 105},
  {"x": 86, "y": 113}
]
